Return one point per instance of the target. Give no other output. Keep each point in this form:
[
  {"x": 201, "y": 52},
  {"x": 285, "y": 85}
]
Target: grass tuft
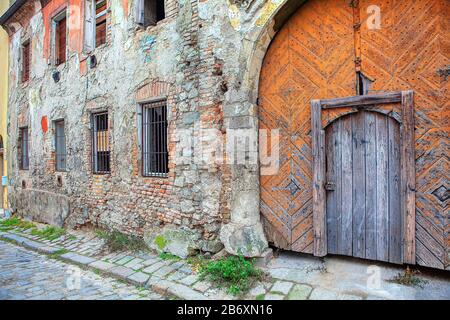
[
  {"x": 237, "y": 274},
  {"x": 409, "y": 278},
  {"x": 117, "y": 241},
  {"x": 49, "y": 232},
  {"x": 16, "y": 222},
  {"x": 168, "y": 256}
]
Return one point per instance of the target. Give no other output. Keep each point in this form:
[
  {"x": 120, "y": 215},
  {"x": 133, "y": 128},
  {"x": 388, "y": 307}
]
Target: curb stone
[{"x": 156, "y": 284}]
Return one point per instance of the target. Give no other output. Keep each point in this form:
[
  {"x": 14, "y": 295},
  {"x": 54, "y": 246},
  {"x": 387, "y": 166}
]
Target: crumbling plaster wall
[{"x": 208, "y": 54}]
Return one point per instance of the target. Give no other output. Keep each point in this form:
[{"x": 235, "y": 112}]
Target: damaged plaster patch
[
  {"x": 147, "y": 43},
  {"x": 267, "y": 11},
  {"x": 234, "y": 16}
]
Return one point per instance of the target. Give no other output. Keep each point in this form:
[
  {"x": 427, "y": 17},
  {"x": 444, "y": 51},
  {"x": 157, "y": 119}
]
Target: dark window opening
[
  {"x": 150, "y": 12},
  {"x": 154, "y": 140},
  {"x": 100, "y": 22},
  {"x": 60, "y": 146},
  {"x": 23, "y": 147},
  {"x": 100, "y": 143},
  {"x": 26, "y": 56},
  {"x": 60, "y": 40}
]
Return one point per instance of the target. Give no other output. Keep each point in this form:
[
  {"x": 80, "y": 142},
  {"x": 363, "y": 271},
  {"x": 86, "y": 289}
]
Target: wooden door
[
  {"x": 311, "y": 58},
  {"x": 411, "y": 51},
  {"x": 363, "y": 208},
  {"x": 317, "y": 55}
]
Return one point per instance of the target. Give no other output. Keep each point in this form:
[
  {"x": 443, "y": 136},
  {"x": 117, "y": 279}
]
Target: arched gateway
[{"x": 331, "y": 49}]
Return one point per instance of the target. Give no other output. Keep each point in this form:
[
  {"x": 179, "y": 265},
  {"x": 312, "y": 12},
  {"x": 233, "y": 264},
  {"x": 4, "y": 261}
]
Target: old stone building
[{"x": 114, "y": 102}]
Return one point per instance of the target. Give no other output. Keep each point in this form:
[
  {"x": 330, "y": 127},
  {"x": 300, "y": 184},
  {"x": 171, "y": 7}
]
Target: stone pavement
[
  {"x": 28, "y": 275},
  {"x": 292, "y": 276}
]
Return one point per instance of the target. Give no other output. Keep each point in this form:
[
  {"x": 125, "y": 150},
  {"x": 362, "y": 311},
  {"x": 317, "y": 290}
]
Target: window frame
[
  {"x": 21, "y": 155},
  {"x": 64, "y": 154},
  {"x": 90, "y": 25},
  {"x": 56, "y": 20},
  {"x": 94, "y": 144},
  {"x": 146, "y": 169},
  {"x": 97, "y": 16},
  {"x": 141, "y": 8}
]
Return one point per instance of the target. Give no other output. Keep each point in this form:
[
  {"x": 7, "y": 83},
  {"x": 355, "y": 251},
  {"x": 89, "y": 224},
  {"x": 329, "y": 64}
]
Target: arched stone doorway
[{"x": 322, "y": 53}]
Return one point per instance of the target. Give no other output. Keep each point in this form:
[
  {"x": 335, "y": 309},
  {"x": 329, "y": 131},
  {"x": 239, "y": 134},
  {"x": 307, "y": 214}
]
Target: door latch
[
  {"x": 444, "y": 72},
  {"x": 330, "y": 186}
]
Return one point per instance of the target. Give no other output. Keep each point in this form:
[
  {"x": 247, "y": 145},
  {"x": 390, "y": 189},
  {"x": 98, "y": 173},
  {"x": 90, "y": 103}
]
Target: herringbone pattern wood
[
  {"x": 312, "y": 57},
  {"x": 406, "y": 53}
]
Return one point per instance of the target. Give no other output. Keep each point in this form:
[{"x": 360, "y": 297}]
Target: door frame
[{"x": 371, "y": 102}]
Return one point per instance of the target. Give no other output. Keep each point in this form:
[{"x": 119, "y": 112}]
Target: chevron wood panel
[
  {"x": 312, "y": 57},
  {"x": 406, "y": 53}
]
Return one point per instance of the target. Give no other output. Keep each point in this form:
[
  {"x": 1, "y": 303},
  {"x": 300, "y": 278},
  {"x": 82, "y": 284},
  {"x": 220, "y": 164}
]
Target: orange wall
[{"x": 75, "y": 25}]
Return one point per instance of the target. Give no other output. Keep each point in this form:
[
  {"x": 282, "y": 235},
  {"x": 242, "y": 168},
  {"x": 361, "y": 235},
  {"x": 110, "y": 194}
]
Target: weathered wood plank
[
  {"x": 431, "y": 243},
  {"x": 362, "y": 101},
  {"x": 319, "y": 199},
  {"x": 408, "y": 174},
  {"x": 395, "y": 215},
  {"x": 382, "y": 207},
  {"x": 427, "y": 257},
  {"x": 345, "y": 241},
  {"x": 331, "y": 139},
  {"x": 371, "y": 185},
  {"x": 359, "y": 184}
]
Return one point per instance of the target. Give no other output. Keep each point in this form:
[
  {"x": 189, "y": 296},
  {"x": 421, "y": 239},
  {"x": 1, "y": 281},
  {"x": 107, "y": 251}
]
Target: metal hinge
[
  {"x": 444, "y": 72},
  {"x": 330, "y": 186}
]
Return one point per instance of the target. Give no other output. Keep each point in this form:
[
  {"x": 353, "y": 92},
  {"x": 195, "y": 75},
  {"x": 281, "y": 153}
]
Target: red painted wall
[{"x": 74, "y": 23}]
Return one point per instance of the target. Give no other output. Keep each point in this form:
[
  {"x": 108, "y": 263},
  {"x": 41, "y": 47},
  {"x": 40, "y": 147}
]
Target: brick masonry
[{"x": 194, "y": 59}]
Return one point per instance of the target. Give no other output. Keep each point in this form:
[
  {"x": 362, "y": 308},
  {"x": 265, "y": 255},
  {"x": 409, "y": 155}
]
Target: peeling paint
[
  {"x": 147, "y": 44},
  {"x": 269, "y": 8},
  {"x": 233, "y": 14}
]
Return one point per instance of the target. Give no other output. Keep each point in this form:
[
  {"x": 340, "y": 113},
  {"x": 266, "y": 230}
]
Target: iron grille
[
  {"x": 24, "y": 161},
  {"x": 100, "y": 143},
  {"x": 154, "y": 140},
  {"x": 60, "y": 146}
]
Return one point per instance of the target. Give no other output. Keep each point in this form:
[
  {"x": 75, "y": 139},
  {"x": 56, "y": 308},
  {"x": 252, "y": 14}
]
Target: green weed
[{"x": 237, "y": 274}]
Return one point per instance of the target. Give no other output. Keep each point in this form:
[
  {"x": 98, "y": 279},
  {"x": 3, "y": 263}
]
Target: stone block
[
  {"x": 138, "y": 278},
  {"x": 282, "y": 287},
  {"x": 299, "y": 292}
]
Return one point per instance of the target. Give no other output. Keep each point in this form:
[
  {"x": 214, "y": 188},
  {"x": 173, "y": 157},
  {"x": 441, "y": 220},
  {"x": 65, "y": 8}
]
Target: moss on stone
[{"x": 161, "y": 242}]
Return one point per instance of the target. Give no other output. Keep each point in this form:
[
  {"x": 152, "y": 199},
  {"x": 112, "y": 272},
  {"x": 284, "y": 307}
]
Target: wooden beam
[
  {"x": 362, "y": 101},
  {"x": 408, "y": 177},
  {"x": 319, "y": 201}
]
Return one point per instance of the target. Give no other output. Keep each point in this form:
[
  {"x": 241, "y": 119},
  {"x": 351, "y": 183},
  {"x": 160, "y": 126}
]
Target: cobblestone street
[{"x": 28, "y": 275}]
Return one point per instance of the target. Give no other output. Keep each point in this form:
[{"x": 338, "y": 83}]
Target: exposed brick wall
[{"x": 175, "y": 59}]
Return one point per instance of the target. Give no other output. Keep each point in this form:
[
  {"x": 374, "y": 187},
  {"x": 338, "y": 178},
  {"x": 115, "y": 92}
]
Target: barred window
[
  {"x": 23, "y": 149},
  {"x": 100, "y": 143},
  {"x": 60, "y": 146},
  {"x": 154, "y": 140}
]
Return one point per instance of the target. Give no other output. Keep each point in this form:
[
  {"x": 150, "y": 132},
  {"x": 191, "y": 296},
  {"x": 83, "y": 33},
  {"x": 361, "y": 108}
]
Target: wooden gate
[
  {"x": 353, "y": 213},
  {"x": 363, "y": 187},
  {"x": 397, "y": 45}
]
